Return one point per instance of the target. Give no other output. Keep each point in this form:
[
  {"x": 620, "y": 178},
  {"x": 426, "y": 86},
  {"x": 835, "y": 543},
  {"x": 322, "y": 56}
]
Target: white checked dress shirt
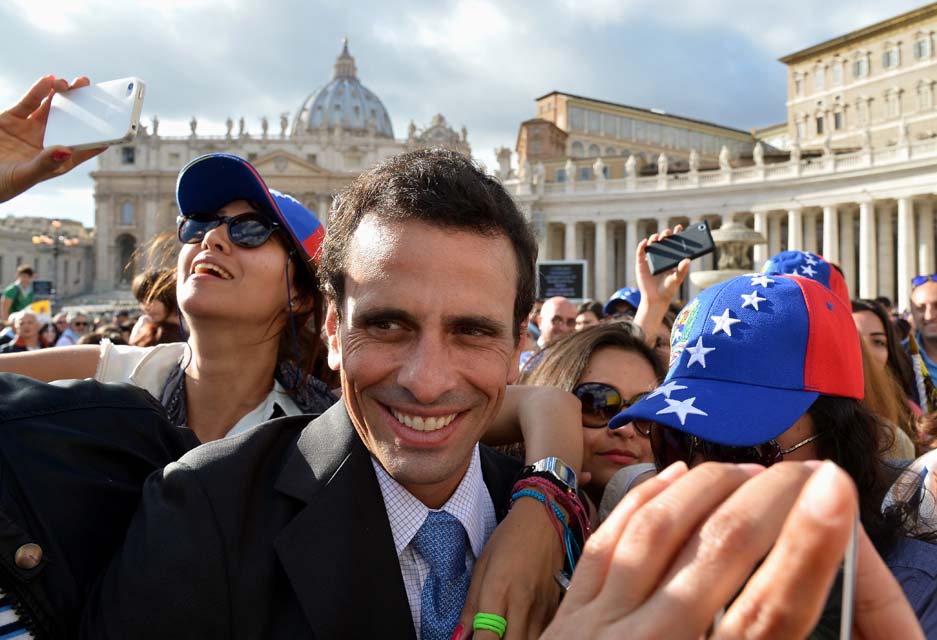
[{"x": 470, "y": 504}]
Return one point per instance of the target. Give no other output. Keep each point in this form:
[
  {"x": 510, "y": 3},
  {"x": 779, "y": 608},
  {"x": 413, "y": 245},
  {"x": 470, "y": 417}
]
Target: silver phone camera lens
[{"x": 129, "y": 87}]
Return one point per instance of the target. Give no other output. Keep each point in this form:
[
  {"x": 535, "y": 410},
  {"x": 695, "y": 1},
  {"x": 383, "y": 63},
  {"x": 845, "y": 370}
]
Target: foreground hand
[
  {"x": 23, "y": 160},
  {"x": 682, "y": 545},
  {"x": 513, "y": 577}
]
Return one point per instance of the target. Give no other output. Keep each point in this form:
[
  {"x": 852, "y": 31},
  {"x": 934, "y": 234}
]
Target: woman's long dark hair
[
  {"x": 898, "y": 361},
  {"x": 856, "y": 440}
]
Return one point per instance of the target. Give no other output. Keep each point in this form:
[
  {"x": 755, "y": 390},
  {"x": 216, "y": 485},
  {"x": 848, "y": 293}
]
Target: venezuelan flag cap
[
  {"x": 211, "y": 181},
  {"x": 750, "y": 355}
]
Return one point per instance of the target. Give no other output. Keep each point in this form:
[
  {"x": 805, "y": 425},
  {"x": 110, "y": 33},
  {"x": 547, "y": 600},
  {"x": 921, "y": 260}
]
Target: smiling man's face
[{"x": 425, "y": 346}]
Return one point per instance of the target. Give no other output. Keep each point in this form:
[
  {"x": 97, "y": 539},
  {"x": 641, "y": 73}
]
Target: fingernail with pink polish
[{"x": 457, "y": 634}]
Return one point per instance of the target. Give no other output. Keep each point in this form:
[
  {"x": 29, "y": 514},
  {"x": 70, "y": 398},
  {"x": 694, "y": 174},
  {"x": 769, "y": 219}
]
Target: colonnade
[{"x": 880, "y": 244}]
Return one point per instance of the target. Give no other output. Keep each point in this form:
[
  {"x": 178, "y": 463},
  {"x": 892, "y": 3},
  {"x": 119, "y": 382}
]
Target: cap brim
[
  {"x": 210, "y": 182},
  {"x": 735, "y": 414}
]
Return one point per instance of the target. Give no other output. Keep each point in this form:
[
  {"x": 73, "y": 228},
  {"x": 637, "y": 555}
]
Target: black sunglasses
[
  {"x": 917, "y": 281},
  {"x": 671, "y": 445},
  {"x": 248, "y": 230},
  {"x": 601, "y": 402}
]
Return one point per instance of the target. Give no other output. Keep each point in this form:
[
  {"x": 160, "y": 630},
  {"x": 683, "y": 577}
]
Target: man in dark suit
[{"x": 332, "y": 529}]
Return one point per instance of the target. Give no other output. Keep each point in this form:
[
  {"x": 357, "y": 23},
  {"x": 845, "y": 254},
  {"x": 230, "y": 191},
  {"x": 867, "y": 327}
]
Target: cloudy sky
[{"x": 479, "y": 62}]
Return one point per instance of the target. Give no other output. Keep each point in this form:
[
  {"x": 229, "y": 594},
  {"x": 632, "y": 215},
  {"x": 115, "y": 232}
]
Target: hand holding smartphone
[
  {"x": 692, "y": 242},
  {"x": 95, "y": 116}
]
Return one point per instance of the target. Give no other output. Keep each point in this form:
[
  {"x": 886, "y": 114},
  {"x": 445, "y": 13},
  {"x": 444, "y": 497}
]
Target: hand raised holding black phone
[{"x": 692, "y": 242}]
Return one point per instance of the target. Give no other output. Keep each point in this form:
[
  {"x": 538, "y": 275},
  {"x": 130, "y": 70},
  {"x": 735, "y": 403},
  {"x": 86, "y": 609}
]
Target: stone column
[
  {"x": 760, "y": 251},
  {"x": 604, "y": 262},
  {"x": 103, "y": 241},
  {"x": 795, "y": 230},
  {"x": 774, "y": 235},
  {"x": 847, "y": 248},
  {"x": 868, "y": 281},
  {"x": 323, "y": 204},
  {"x": 906, "y": 258},
  {"x": 571, "y": 246},
  {"x": 150, "y": 226},
  {"x": 621, "y": 257},
  {"x": 885, "y": 259},
  {"x": 925, "y": 238},
  {"x": 831, "y": 234},
  {"x": 810, "y": 231},
  {"x": 631, "y": 249}
]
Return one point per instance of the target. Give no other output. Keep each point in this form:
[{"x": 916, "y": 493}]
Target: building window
[
  {"x": 610, "y": 125},
  {"x": 860, "y": 66},
  {"x": 577, "y": 119},
  {"x": 126, "y": 214},
  {"x": 818, "y": 79},
  {"x": 585, "y": 173},
  {"x": 838, "y": 121},
  {"x": 922, "y": 47},
  {"x": 798, "y": 85},
  {"x": 605, "y": 171},
  {"x": 925, "y": 95},
  {"x": 535, "y": 146},
  {"x": 577, "y": 150},
  {"x": 594, "y": 151},
  {"x": 175, "y": 159},
  {"x": 127, "y": 155},
  {"x": 801, "y": 129},
  {"x": 594, "y": 121},
  {"x": 891, "y": 57},
  {"x": 560, "y": 175},
  {"x": 311, "y": 158},
  {"x": 609, "y": 152},
  {"x": 837, "y": 72},
  {"x": 892, "y": 103},
  {"x": 819, "y": 125}
]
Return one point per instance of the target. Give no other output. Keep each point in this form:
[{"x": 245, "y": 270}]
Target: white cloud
[
  {"x": 60, "y": 17},
  {"x": 49, "y": 201}
]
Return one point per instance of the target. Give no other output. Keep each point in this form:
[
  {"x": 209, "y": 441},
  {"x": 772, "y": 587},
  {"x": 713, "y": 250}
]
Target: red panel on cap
[
  {"x": 833, "y": 362},
  {"x": 313, "y": 244}
]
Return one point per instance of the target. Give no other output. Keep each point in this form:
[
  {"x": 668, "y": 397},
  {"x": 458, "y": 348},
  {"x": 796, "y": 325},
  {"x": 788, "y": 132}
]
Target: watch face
[{"x": 559, "y": 469}]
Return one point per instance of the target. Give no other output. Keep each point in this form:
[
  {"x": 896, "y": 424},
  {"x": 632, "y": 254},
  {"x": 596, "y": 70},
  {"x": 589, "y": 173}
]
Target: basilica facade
[
  {"x": 851, "y": 174},
  {"x": 339, "y": 130}
]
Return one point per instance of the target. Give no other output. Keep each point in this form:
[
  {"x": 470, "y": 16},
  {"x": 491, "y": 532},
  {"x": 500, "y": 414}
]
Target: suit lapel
[{"x": 338, "y": 552}]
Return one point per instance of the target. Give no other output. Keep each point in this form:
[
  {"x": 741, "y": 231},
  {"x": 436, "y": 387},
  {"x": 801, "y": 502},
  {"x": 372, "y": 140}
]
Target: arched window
[
  {"x": 126, "y": 214},
  {"x": 610, "y": 151},
  {"x": 577, "y": 150},
  {"x": 594, "y": 151}
]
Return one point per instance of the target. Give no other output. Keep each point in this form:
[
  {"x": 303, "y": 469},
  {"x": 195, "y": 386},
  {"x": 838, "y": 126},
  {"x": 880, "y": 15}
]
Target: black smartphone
[{"x": 692, "y": 242}]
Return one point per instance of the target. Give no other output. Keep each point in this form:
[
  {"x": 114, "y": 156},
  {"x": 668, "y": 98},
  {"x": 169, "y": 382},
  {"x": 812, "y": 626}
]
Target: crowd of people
[{"x": 396, "y": 438}]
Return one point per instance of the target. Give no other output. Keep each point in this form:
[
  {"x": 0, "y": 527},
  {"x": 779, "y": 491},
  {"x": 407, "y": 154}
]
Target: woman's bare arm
[{"x": 59, "y": 363}]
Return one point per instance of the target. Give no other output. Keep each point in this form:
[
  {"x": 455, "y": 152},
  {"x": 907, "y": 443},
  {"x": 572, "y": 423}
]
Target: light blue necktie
[{"x": 441, "y": 541}]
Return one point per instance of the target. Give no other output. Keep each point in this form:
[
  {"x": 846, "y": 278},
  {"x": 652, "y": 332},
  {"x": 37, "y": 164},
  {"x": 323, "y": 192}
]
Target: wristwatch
[{"x": 555, "y": 470}]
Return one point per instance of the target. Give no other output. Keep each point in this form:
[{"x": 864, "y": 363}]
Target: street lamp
[{"x": 56, "y": 241}]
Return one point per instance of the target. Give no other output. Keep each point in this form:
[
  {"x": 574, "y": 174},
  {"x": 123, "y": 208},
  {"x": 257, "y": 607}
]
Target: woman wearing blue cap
[{"x": 768, "y": 367}]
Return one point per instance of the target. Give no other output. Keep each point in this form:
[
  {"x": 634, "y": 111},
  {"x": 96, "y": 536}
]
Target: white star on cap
[
  {"x": 698, "y": 353},
  {"x": 752, "y": 300},
  {"x": 682, "y": 408},
  {"x": 724, "y": 323},
  {"x": 808, "y": 271},
  {"x": 809, "y": 259},
  {"x": 666, "y": 389},
  {"x": 762, "y": 280}
]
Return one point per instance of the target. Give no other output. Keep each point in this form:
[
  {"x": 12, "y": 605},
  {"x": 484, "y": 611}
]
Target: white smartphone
[{"x": 98, "y": 115}]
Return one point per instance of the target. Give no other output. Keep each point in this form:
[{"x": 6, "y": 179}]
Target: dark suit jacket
[{"x": 279, "y": 533}]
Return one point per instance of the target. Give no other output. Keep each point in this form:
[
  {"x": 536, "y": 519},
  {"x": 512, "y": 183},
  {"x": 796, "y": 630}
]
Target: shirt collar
[
  {"x": 467, "y": 504},
  {"x": 265, "y": 410}
]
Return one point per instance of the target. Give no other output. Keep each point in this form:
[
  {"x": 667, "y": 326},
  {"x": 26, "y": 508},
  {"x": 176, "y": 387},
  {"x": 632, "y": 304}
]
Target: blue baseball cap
[
  {"x": 748, "y": 358},
  {"x": 211, "y": 181},
  {"x": 808, "y": 265},
  {"x": 627, "y": 294}
]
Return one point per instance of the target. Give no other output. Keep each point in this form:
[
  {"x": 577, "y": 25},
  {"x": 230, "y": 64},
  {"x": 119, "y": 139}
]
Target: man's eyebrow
[
  {"x": 384, "y": 314},
  {"x": 479, "y": 321}
]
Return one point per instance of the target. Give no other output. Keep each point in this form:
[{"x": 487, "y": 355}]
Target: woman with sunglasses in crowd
[
  {"x": 605, "y": 367},
  {"x": 768, "y": 368}
]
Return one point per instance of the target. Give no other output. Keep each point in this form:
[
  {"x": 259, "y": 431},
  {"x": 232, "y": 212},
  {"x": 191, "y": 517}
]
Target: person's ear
[{"x": 333, "y": 337}]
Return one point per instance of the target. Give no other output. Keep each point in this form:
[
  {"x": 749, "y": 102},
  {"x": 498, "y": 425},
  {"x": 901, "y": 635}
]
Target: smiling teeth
[
  {"x": 202, "y": 267},
  {"x": 420, "y": 423}
]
